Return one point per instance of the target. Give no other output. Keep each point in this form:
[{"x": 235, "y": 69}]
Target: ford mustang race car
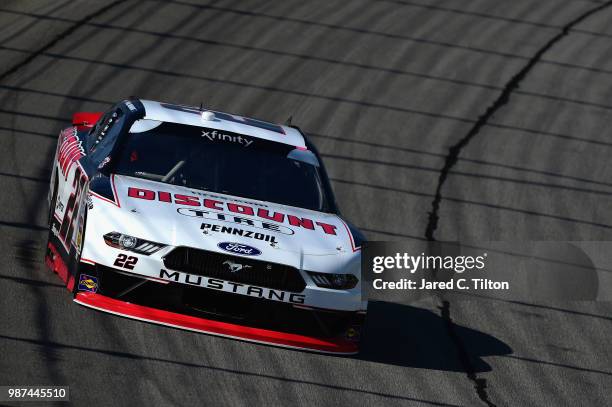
[{"x": 205, "y": 221}]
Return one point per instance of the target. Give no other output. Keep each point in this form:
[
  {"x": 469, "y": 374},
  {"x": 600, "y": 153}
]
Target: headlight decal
[
  {"x": 334, "y": 281},
  {"x": 131, "y": 243}
]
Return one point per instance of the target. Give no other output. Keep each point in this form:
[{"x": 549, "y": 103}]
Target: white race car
[{"x": 205, "y": 221}]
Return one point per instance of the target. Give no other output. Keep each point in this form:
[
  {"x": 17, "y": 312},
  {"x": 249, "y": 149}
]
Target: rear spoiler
[{"x": 85, "y": 120}]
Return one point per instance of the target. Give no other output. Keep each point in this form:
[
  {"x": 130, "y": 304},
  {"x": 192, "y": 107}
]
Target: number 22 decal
[{"x": 125, "y": 261}]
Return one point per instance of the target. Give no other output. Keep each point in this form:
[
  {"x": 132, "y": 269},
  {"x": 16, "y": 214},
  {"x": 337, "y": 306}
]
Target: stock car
[{"x": 205, "y": 221}]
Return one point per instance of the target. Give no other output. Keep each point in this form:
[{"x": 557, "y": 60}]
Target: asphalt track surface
[{"x": 479, "y": 119}]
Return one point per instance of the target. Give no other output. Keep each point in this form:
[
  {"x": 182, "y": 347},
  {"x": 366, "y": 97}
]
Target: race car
[{"x": 204, "y": 221}]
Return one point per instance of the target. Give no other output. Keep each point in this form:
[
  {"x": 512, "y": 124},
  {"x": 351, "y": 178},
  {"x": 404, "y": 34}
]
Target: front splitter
[{"x": 99, "y": 302}]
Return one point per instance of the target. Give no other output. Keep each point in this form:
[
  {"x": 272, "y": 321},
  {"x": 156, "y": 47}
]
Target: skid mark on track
[
  {"x": 58, "y": 38},
  {"x": 480, "y": 384},
  {"x": 312, "y": 95},
  {"x": 133, "y": 357},
  {"x": 26, "y": 248}
]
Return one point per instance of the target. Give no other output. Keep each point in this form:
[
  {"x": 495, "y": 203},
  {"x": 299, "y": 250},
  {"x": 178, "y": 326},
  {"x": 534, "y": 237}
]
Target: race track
[{"x": 492, "y": 116}]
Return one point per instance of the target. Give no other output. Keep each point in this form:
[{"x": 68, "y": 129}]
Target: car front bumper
[{"x": 337, "y": 345}]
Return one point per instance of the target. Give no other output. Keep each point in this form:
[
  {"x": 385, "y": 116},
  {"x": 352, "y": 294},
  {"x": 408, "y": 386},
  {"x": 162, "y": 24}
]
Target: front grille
[{"x": 252, "y": 272}]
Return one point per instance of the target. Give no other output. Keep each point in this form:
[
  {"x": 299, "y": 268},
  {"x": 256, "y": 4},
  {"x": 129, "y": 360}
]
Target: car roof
[{"x": 192, "y": 116}]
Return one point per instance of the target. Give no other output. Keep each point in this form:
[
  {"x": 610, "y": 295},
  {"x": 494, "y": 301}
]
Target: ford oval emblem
[{"x": 239, "y": 248}]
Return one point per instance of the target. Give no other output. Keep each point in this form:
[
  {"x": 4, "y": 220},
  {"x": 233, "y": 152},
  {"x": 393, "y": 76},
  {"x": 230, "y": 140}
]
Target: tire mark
[
  {"x": 337, "y": 99},
  {"x": 337, "y": 27},
  {"x": 42, "y": 313},
  {"x": 32, "y": 24},
  {"x": 495, "y": 178},
  {"x": 479, "y": 15},
  {"x": 58, "y": 38},
  {"x": 475, "y": 203},
  {"x": 464, "y": 159},
  {"x": 298, "y": 55},
  {"x": 563, "y": 365},
  {"x": 194, "y": 365},
  {"x": 494, "y": 125}
]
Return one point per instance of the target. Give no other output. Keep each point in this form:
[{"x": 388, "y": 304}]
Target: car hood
[{"x": 181, "y": 216}]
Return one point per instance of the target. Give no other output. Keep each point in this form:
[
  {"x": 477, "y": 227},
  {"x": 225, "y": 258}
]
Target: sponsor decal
[
  {"x": 206, "y": 227},
  {"x": 104, "y": 162},
  {"x": 239, "y": 248},
  {"x": 70, "y": 221},
  {"x": 229, "y": 218},
  {"x": 88, "y": 283},
  {"x": 238, "y": 209},
  {"x": 235, "y": 267},
  {"x": 214, "y": 135},
  {"x": 71, "y": 150},
  {"x": 232, "y": 287},
  {"x": 130, "y": 106}
]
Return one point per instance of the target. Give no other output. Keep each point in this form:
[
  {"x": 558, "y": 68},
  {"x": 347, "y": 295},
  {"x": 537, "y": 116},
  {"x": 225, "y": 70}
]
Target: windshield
[{"x": 224, "y": 162}]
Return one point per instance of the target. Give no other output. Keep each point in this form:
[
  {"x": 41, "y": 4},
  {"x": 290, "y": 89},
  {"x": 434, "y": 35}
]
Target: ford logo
[{"x": 239, "y": 248}]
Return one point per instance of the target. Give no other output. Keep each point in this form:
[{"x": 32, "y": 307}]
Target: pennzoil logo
[
  {"x": 208, "y": 228},
  {"x": 88, "y": 283}
]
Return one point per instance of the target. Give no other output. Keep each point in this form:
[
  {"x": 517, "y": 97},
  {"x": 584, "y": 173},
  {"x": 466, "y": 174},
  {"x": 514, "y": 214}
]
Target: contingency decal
[{"x": 88, "y": 283}]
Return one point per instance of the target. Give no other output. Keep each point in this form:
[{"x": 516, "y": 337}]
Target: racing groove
[{"x": 385, "y": 88}]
